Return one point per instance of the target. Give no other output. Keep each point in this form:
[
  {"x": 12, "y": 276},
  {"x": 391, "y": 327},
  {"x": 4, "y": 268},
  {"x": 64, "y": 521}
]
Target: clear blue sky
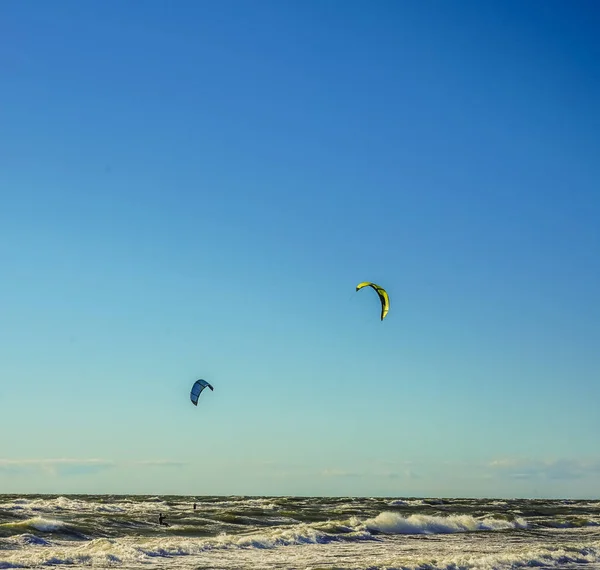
[{"x": 194, "y": 189}]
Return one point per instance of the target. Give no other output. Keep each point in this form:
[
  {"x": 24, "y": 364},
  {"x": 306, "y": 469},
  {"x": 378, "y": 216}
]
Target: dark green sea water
[{"x": 296, "y": 533}]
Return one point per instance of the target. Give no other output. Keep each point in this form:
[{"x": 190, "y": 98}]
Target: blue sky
[{"x": 194, "y": 190}]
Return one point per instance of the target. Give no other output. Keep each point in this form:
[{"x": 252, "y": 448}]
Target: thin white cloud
[
  {"x": 340, "y": 473},
  {"x": 58, "y": 466},
  {"x": 159, "y": 463},
  {"x": 395, "y": 463},
  {"x": 557, "y": 469},
  {"x": 57, "y": 461},
  {"x": 72, "y": 466},
  {"x": 385, "y": 474}
]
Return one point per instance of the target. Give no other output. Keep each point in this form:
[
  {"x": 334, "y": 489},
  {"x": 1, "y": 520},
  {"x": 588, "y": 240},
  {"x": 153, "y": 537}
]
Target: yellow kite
[{"x": 383, "y": 296}]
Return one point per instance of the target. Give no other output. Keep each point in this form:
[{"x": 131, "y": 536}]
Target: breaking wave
[
  {"x": 37, "y": 523},
  {"x": 393, "y": 523}
]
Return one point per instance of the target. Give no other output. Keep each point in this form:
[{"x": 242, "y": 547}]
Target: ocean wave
[
  {"x": 398, "y": 503},
  {"x": 141, "y": 507},
  {"x": 414, "y": 502},
  {"x": 37, "y": 523},
  {"x": 539, "y": 557},
  {"x": 62, "y": 504},
  {"x": 28, "y": 539},
  {"x": 321, "y": 533},
  {"x": 110, "y": 551},
  {"x": 569, "y": 523},
  {"x": 393, "y": 523},
  {"x": 140, "y": 552},
  {"x": 102, "y": 551}
]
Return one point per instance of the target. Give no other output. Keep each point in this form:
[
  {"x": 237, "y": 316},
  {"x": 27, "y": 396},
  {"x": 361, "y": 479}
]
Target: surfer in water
[{"x": 161, "y": 520}]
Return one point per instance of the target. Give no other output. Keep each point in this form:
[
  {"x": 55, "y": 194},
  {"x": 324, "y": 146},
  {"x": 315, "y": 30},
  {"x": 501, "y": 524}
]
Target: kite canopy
[
  {"x": 383, "y": 296},
  {"x": 197, "y": 388}
]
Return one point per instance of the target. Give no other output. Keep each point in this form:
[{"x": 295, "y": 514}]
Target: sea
[{"x": 309, "y": 533}]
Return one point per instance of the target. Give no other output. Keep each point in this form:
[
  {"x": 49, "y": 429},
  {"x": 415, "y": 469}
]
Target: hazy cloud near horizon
[
  {"x": 559, "y": 469},
  {"x": 71, "y": 466},
  {"x": 501, "y": 477},
  {"x": 405, "y": 473}
]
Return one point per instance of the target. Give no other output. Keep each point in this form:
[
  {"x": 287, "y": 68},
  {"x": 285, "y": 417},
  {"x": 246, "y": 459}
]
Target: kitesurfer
[{"x": 161, "y": 520}]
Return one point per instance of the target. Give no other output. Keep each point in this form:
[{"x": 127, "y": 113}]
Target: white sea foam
[{"x": 297, "y": 549}]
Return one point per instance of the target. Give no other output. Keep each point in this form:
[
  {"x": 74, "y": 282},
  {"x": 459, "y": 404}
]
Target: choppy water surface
[{"x": 297, "y": 533}]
